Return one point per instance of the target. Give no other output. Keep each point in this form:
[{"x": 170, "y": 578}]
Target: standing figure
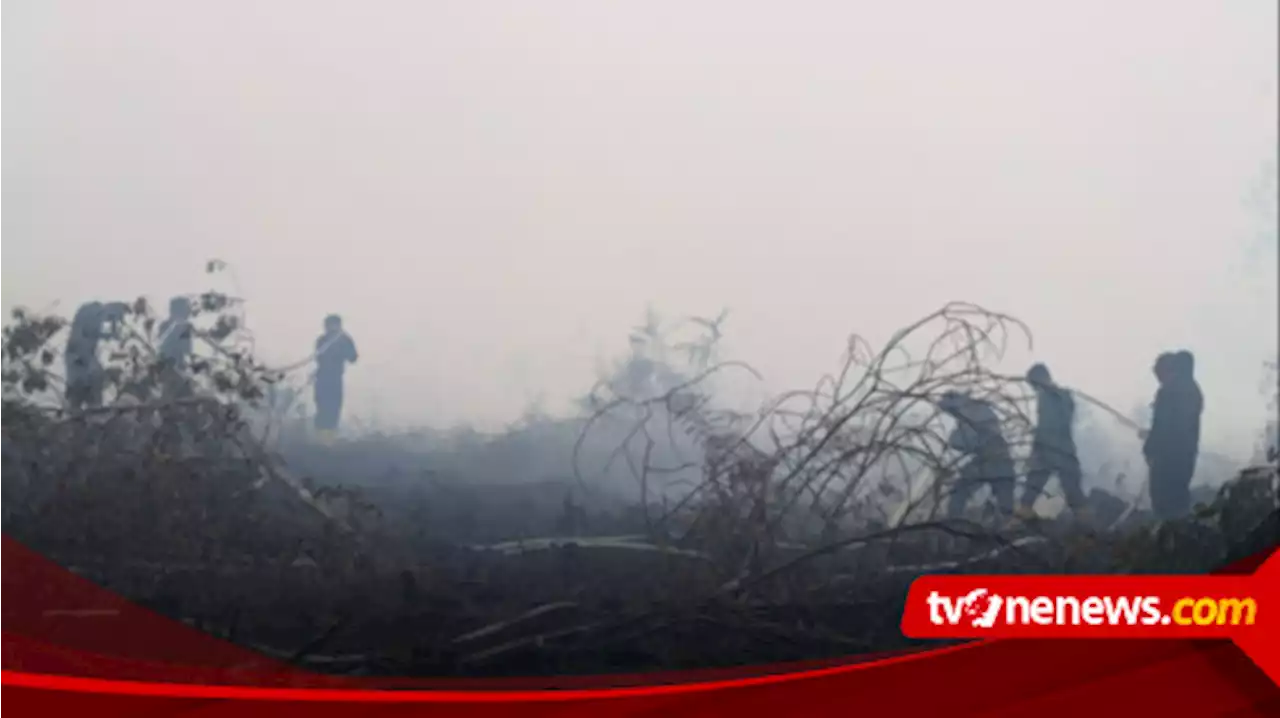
[
  {"x": 645, "y": 376},
  {"x": 987, "y": 458},
  {"x": 85, "y": 377},
  {"x": 176, "y": 334},
  {"x": 1053, "y": 447},
  {"x": 640, "y": 372},
  {"x": 1172, "y": 445},
  {"x": 334, "y": 350}
]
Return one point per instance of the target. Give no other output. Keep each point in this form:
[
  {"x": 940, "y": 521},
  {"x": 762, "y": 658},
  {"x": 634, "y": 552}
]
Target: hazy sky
[{"x": 491, "y": 192}]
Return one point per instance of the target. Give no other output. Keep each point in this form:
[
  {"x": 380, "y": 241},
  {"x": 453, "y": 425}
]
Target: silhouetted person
[
  {"x": 637, "y": 374},
  {"x": 1053, "y": 447},
  {"x": 987, "y": 459},
  {"x": 176, "y": 333},
  {"x": 85, "y": 378},
  {"x": 1173, "y": 443},
  {"x": 334, "y": 350},
  {"x": 644, "y": 377}
]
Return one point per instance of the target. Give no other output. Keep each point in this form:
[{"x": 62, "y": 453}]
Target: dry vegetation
[{"x": 788, "y": 533}]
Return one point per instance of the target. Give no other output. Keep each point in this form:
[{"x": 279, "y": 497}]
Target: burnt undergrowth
[{"x": 789, "y": 533}]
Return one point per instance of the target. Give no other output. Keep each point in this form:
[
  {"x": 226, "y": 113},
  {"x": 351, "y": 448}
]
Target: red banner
[{"x": 71, "y": 646}]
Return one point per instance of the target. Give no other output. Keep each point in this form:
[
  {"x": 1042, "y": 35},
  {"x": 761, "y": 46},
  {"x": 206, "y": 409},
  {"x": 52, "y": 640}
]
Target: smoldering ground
[{"x": 656, "y": 529}]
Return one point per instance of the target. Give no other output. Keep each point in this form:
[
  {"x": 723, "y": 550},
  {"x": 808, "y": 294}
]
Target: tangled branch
[{"x": 865, "y": 447}]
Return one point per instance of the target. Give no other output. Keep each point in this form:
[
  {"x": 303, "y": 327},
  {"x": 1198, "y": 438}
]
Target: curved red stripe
[{"x": 344, "y": 695}]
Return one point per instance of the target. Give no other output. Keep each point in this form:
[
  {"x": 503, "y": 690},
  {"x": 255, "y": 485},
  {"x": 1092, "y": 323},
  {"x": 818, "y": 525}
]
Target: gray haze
[{"x": 491, "y": 192}]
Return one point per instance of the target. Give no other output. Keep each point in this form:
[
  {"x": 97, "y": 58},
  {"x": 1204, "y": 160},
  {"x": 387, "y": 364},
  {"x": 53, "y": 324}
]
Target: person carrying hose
[
  {"x": 1053, "y": 447},
  {"x": 987, "y": 459},
  {"x": 177, "y": 336},
  {"x": 334, "y": 350},
  {"x": 86, "y": 378}
]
